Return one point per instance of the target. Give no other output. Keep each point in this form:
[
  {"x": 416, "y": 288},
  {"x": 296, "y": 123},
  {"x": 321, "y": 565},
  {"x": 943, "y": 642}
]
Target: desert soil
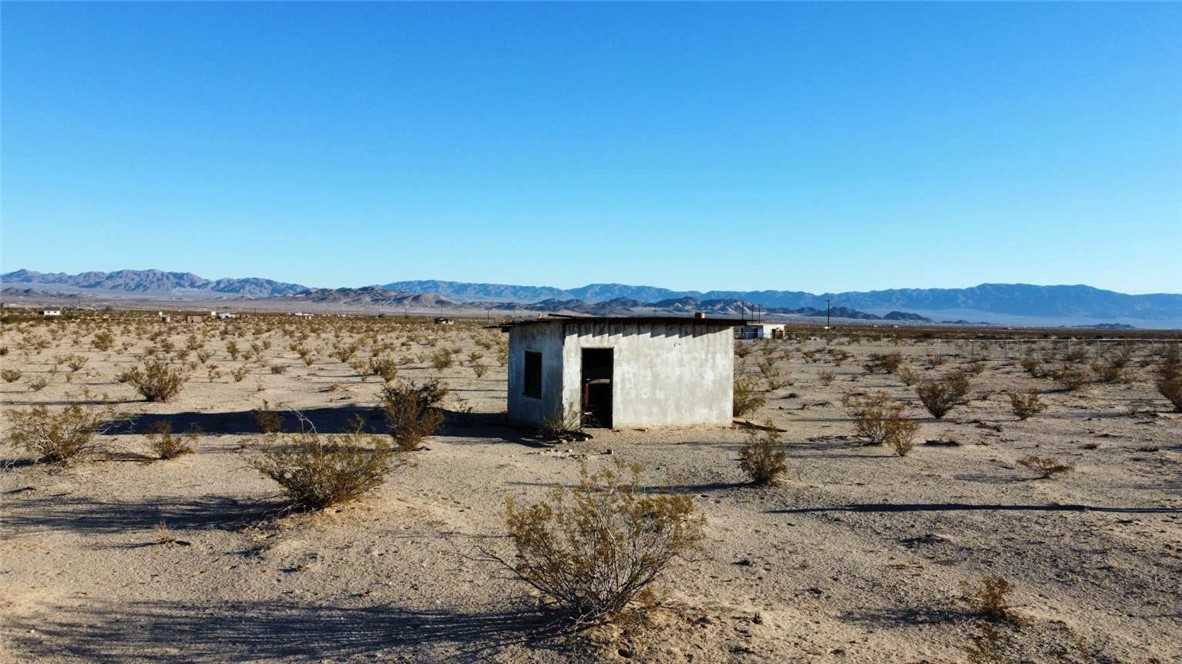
[{"x": 858, "y": 555}]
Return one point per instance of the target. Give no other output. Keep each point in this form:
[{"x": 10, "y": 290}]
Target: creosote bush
[
  {"x": 316, "y": 471},
  {"x": 411, "y": 411},
  {"x": 597, "y": 548},
  {"x": 748, "y": 398},
  {"x": 1071, "y": 377},
  {"x": 880, "y": 421},
  {"x": 60, "y": 436},
  {"x": 10, "y": 375},
  {"x": 165, "y": 445},
  {"x": 940, "y": 395},
  {"x": 155, "y": 381},
  {"x": 763, "y": 458},
  {"x": 267, "y": 420},
  {"x": 1026, "y": 405}
]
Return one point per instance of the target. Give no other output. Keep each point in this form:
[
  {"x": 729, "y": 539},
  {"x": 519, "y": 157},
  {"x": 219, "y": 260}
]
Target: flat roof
[{"x": 665, "y": 320}]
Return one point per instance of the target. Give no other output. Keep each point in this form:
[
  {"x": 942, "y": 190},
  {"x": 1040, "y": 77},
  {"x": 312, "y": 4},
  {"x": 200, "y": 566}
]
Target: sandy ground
[{"x": 857, "y": 556}]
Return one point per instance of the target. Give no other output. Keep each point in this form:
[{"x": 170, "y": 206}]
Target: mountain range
[{"x": 998, "y": 303}]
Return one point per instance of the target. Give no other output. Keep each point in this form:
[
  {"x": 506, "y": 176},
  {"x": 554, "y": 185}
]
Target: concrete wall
[
  {"x": 547, "y": 339},
  {"x": 666, "y": 374}
]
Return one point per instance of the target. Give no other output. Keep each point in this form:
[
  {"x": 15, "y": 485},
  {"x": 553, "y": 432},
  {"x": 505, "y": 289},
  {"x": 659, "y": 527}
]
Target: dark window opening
[{"x": 533, "y": 375}]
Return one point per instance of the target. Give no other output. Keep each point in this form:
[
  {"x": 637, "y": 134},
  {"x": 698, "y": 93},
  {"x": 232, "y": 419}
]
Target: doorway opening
[{"x": 598, "y": 372}]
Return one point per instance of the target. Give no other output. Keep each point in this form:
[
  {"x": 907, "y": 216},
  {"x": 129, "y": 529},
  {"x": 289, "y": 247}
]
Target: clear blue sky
[{"x": 819, "y": 147}]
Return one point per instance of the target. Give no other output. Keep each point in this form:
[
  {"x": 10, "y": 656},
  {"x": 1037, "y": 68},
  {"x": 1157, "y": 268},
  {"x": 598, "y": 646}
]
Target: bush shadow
[{"x": 277, "y": 630}]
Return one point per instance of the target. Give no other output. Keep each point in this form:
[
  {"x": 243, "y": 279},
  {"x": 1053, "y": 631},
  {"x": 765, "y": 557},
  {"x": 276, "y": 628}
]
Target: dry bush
[
  {"x": 988, "y": 647},
  {"x": 562, "y": 425},
  {"x": 316, "y": 472},
  {"x": 747, "y": 398},
  {"x": 883, "y": 362},
  {"x": 1046, "y": 467},
  {"x": 880, "y": 421},
  {"x": 1171, "y": 389},
  {"x": 155, "y": 381},
  {"x": 763, "y": 458},
  {"x": 60, "y": 436},
  {"x": 774, "y": 377},
  {"x": 267, "y": 420},
  {"x": 479, "y": 370},
  {"x": 1169, "y": 376},
  {"x": 1026, "y": 405},
  {"x": 826, "y": 377},
  {"x": 240, "y": 373},
  {"x": 10, "y": 375},
  {"x": 990, "y": 600},
  {"x": 103, "y": 341},
  {"x": 384, "y": 367},
  {"x": 442, "y": 359},
  {"x": 1033, "y": 365},
  {"x": 940, "y": 395},
  {"x": 597, "y": 548},
  {"x": 165, "y": 445},
  {"x": 1071, "y": 377},
  {"x": 411, "y": 411},
  {"x": 907, "y": 375}
]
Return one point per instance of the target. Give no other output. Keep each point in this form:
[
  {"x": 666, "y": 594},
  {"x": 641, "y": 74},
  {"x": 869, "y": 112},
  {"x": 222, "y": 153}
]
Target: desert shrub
[
  {"x": 10, "y": 375},
  {"x": 479, "y": 370},
  {"x": 278, "y": 369},
  {"x": 1046, "y": 467},
  {"x": 316, "y": 471},
  {"x": 204, "y": 354},
  {"x": 1033, "y": 366},
  {"x": 37, "y": 384},
  {"x": 990, "y": 600},
  {"x": 103, "y": 341},
  {"x": 826, "y": 377},
  {"x": 411, "y": 411},
  {"x": 240, "y": 373},
  {"x": 165, "y": 445},
  {"x": 267, "y": 420},
  {"x": 1026, "y": 405},
  {"x": 562, "y": 425},
  {"x": 232, "y": 349},
  {"x": 442, "y": 359},
  {"x": 773, "y": 376},
  {"x": 1171, "y": 389},
  {"x": 384, "y": 367},
  {"x": 155, "y": 381},
  {"x": 907, "y": 375},
  {"x": 940, "y": 395},
  {"x": 597, "y": 548},
  {"x": 883, "y": 362},
  {"x": 59, "y": 436},
  {"x": 1071, "y": 377},
  {"x": 763, "y": 458},
  {"x": 880, "y": 420},
  {"x": 747, "y": 397}
]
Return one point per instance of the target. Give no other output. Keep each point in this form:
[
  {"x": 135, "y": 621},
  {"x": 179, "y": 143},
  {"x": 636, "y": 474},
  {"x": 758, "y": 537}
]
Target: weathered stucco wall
[
  {"x": 547, "y": 340},
  {"x": 666, "y": 374}
]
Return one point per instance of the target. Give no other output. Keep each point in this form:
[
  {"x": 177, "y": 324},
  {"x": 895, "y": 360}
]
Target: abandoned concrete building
[{"x": 622, "y": 372}]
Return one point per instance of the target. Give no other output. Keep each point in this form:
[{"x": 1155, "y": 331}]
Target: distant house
[
  {"x": 760, "y": 331},
  {"x": 622, "y": 371},
  {"x": 195, "y": 319},
  {"x": 444, "y": 321},
  {"x": 49, "y": 313}
]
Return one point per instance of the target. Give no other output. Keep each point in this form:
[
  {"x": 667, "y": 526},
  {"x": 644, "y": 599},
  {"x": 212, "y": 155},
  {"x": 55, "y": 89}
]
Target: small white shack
[
  {"x": 622, "y": 372},
  {"x": 760, "y": 331}
]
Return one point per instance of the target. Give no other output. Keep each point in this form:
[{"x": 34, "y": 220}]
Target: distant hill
[
  {"x": 1007, "y": 304},
  {"x": 152, "y": 282},
  {"x": 1002, "y": 302}
]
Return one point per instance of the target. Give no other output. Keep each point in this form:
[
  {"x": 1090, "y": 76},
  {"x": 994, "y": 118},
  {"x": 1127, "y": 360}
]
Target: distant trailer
[
  {"x": 50, "y": 313},
  {"x": 195, "y": 319},
  {"x": 444, "y": 321},
  {"x": 760, "y": 331}
]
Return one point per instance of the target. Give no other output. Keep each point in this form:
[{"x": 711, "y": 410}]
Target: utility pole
[{"x": 828, "y": 309}]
